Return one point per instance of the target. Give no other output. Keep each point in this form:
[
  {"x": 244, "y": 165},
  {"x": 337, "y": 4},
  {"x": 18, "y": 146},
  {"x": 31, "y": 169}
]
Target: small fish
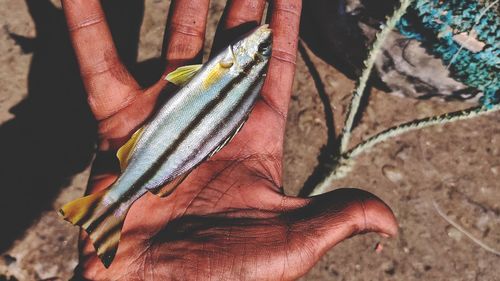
[{"x": 208, "y": 110}]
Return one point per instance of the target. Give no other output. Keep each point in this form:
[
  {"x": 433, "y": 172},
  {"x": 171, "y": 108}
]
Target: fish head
[
  {"x": 256, "y": 43},
  {"x": 254, "y": 46}
]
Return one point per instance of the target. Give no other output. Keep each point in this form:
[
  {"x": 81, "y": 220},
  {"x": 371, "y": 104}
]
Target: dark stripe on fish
[
  {"x": 225, "y": 120},
  {"x": 89, "y": 213},
  {"x": 136, "y": 187},
  {"x": 232, "y": 113},
  {"x": 105, "y": 235}
]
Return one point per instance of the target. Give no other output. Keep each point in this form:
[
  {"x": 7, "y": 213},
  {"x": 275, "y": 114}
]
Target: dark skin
[{"x": 229, "y": 220}]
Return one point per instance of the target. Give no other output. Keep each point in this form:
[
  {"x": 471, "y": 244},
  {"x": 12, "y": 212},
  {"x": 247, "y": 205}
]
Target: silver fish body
[
  {"x": 199, "y": 118},
  {"x": 192, "y": 125}
]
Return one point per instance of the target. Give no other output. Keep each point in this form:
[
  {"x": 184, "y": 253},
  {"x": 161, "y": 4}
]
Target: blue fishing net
[{"x": 435, "y": 23}]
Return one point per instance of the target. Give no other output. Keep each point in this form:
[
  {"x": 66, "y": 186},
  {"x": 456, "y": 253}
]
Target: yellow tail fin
[
  {"x": 101, "y": 219},
  {"x": 77, "y": 210}
]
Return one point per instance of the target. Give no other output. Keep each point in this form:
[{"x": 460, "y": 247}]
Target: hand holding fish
[{"x": 228, "y": 219}]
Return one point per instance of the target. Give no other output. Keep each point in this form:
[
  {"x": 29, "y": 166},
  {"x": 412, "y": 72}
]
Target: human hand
[{"x": 229, "y": 219}]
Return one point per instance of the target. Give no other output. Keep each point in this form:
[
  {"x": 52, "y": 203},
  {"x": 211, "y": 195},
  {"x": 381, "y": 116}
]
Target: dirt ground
[{"x": 455, "y": 166}]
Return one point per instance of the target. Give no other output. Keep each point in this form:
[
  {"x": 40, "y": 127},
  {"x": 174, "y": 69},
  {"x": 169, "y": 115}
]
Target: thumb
[{"x": 330, "y": 218}]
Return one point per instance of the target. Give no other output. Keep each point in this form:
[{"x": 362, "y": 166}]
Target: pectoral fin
[
  {"x": 183, "y": 74},
  {"x": 171, "y": 186},
  {"x": 125, "y": 151}
]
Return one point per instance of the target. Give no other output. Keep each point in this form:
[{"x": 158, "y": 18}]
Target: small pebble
[
  {"x": 389, "y": 267},
  {"x": 482, "y": 222},
  {"x": 392, "y": 173},
  {"x": 404, "y": 153},
  {"x": 332, "y": 81},
  {"x": 454, "y": 233},
  {"x": 495, "y": 170}
]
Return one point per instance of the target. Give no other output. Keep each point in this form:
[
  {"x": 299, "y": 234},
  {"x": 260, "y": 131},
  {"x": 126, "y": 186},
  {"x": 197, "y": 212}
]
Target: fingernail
[{"x": 385, "y": 235}]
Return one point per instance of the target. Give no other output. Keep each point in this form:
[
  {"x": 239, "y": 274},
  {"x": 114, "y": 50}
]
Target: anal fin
[
  {"x": 171, "y": 186},
  {"x": 227, "y": 140}
]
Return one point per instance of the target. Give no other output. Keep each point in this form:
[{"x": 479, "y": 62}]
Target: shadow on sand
[
  {"x": 52, "y": 136},
  {"x": 331, "y": 30}
]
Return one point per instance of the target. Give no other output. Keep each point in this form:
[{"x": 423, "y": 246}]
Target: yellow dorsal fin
[
  {"x": 183, "y": 74},
  {"x": 124, "y": 152}
]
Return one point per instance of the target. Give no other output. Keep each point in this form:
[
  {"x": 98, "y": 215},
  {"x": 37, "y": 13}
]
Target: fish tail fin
[{"x": 101, "y": 219}]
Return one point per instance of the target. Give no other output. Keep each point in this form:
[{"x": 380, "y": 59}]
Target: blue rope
[{"x": 435, "y": 22}]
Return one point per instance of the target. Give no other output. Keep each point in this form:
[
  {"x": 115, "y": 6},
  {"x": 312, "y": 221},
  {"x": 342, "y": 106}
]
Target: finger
[
  {"x": 335, "y": 216},
  {"x": 185, "y": 32},
  {"x": 275, "y": 95},
  {"x": 285, "y": 20},
  {"x": 239, "y": 17},
  {"x": 125, "y": 20},
  {"x": 358, "y": 210},
  {"x": 109, "y": 85}
]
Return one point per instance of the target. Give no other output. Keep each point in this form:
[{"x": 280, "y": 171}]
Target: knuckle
[
  {"x": 181, "y": 52},
  {"x": 187, "y": 29},
  {"x": 290, "y": 7},
  {"x": 285, "y": 56},
  {"x": 109, "y": 63},
  {"x": 245, "y": 12},
  {"x": 95, "y": 69},
  {"x": 185, "y": 42},
  {"x": 86, "y": 22}
]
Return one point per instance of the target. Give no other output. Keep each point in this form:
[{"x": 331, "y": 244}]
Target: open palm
[{"x": 229, "y": 220}]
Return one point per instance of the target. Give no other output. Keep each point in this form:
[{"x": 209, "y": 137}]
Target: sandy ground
[{"x": 456, "y": 166}]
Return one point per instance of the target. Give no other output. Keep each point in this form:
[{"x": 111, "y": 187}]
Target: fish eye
[{"x": 264, "y": 47}]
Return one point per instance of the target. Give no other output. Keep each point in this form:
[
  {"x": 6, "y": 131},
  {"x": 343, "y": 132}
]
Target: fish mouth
[
  {"x": 264, "y": 28},
  {"x": 264, "y": 35}
]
